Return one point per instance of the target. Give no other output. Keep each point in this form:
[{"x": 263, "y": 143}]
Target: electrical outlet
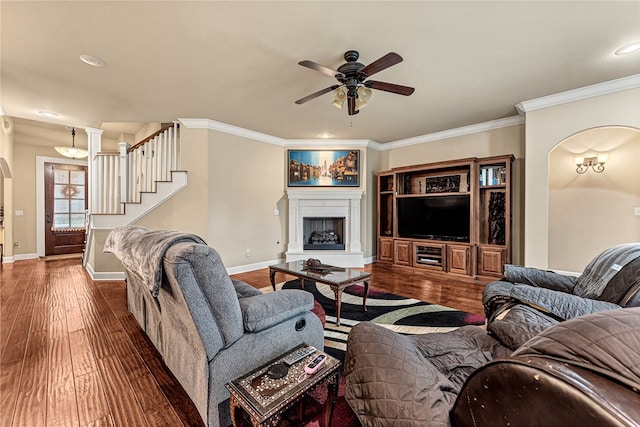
[
  {"x": 248, "y": 252},
  {"x": 636, "y": 211}
]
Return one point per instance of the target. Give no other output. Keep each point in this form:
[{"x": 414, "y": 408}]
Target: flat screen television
[{"x": 437, "y": 217}]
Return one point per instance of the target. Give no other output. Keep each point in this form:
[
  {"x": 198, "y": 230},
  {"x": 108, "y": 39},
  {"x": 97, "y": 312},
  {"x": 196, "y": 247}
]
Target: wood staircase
[{"x": 128, "y": 184}]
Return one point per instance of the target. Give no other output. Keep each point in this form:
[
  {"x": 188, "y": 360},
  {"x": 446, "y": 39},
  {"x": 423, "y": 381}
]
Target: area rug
[{"x": 403, "y": 315}]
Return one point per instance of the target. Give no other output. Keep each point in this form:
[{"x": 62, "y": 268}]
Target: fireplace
[
  {"x": 323, "y": 233},
  {"x": 334, "y": 217}
]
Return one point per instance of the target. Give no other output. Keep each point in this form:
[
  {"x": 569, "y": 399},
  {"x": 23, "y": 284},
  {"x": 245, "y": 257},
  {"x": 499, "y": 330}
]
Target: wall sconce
[{"x": 596, "y": 163}]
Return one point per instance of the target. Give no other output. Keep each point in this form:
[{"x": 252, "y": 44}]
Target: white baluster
[
  {"x": 175, "y": 153},
  {"x": 124, "y": 173}
]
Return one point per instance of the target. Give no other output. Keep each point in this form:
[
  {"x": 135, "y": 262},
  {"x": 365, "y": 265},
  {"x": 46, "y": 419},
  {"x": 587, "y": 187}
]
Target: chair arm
[
  {"x": 244, "y": 290},
  {"x": 538, "y": 391},
  {"x": 559, "y": 304},
  {"x": 263, "y": 311},
  {"x": 540, "y": 278}
]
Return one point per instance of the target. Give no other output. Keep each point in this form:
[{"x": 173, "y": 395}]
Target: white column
[
  {"x": 94, "y": 140},
  {"x": 355, "y": 245},
  {"x": 294, "y": 239}
]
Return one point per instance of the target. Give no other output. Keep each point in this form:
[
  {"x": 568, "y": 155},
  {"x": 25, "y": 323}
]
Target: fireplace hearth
[{"x": 323, "y": 233}]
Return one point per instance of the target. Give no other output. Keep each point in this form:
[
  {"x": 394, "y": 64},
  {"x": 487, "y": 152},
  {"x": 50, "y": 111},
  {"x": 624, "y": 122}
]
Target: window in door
[{"x": 69, "y": 199}]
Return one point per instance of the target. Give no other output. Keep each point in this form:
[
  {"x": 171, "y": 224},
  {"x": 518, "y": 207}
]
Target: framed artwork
[{"x": 324, "y": 168}]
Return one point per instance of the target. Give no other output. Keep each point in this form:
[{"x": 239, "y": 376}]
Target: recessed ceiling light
[
  {"x": 325, "y": 135},
  {"x": 48, "y": 113},
  {"x": 92, "y": 60},
  {"x": 630, "y": 48}
]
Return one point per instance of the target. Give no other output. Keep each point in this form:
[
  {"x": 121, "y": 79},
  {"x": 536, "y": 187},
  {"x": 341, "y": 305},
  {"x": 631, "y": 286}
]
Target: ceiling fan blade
[
  {"x": 380, "y": 64},
  {"x": 317, "y": 94},
  {"x": 390, "y": 87},
  {"x": 351, "y": 102},
  {"x": 325, "y": 70}
]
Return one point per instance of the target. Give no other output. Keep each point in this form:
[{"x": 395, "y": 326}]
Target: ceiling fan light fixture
[
  {"x": 364, "y": 94},
  {"x": 340, "y": 95},
  {"x": 354, "y": 88},
  {"x": 72, "y": 152}
]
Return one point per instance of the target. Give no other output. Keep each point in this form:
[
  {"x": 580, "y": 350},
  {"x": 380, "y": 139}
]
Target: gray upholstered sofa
[{"x": 208, "y": 328}]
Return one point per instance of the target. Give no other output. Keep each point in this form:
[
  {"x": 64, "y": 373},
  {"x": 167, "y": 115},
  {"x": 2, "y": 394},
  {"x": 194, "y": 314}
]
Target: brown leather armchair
[{"x": 584, "y": 371}]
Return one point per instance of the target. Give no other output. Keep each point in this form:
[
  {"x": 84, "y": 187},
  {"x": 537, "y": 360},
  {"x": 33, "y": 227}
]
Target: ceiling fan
[{"x": 352, "y": 76}]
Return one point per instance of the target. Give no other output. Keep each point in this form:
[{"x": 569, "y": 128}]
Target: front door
[{"x": 65, "y": 205}]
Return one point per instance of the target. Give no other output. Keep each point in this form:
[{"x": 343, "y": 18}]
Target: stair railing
[
  {"x": 123, "y": 176},
  {"x": 149, "y": 161}
]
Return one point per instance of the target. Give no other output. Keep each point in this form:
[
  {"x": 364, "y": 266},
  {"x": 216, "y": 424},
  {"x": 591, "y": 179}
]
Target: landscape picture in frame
[{"x": 324, "y": 168}]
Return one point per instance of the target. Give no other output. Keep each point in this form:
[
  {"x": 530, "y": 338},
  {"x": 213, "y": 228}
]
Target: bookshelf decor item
[{"x": 324, "y": 168}]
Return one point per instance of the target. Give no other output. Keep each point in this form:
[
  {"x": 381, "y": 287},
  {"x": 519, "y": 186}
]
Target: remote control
[
  {"x": 312, "y": 367},
  {"x": 298, "y": 355}
]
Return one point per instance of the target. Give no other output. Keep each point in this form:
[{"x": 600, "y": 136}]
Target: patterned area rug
[{"x": 403, "y": 315}]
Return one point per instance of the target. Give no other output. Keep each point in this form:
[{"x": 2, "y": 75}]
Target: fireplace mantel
[{"x": 326, "y": 203}]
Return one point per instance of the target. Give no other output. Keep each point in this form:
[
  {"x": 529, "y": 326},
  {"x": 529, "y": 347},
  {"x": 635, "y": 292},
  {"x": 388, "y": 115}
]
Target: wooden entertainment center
[{"x": 450, "y": 218}]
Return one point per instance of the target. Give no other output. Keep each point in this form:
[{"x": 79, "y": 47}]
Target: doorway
[{"x": 65, "y": 203}]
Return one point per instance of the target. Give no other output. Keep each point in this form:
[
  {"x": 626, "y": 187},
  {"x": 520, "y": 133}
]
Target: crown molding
[
  {"x": 333, "y": 143},
  {"x": 599, "y": 89},
  {"x": 451, "y": 133},
  {"x": 232, "y": 130},
  {"x": 270, "y": 139}
]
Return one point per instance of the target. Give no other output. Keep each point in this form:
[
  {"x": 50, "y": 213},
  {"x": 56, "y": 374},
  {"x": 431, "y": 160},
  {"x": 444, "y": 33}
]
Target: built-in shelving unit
[{"x": 449, "y": 217}]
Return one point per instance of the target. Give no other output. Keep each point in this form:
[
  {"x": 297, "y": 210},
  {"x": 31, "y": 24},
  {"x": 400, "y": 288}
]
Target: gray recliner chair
[
  {"x": 208, "y": 328},
  {"x": 536, "y": 299}
]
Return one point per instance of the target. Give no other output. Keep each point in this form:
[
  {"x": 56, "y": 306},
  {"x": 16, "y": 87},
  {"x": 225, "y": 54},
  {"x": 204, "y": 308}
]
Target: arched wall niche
[{"x": 592, "y": 211}]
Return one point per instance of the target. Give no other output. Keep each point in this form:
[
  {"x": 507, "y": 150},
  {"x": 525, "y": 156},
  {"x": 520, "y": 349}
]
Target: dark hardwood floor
[{"x": 72, "y": 355}]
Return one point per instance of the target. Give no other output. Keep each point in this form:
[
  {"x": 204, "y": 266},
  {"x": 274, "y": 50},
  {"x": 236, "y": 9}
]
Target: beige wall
[
  {"x": 6, "y": 177},
  {"x": 546, "y": 128},
  {"x": 187, "y": 210},
  {"x": 246, "y": 184},
  {"x": 235, "y": 184},
  {"x": 593, "y": 211},
  {"x": 374, "y": 159},
  {"x": 506, "y": 140},
  {"x": 24, "y": 195}
]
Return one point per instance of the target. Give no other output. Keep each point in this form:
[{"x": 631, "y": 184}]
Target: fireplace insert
[{"x": 323, "y": 233}]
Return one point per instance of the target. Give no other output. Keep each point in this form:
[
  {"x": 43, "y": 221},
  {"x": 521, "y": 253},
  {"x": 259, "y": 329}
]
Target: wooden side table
[{"x": 263, "y": 400}]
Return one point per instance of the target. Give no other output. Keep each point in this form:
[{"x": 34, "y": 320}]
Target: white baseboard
[
  {"x": 370, "y": 260},
  {"x": 118, "y": 275},
  {"x": 104, "y": 275},
  {"x": 22, "y": 257},
  {"x": 251, "y": 267}
]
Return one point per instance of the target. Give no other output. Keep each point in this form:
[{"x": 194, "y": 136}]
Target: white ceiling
[{"x": 237, "y": 62}]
